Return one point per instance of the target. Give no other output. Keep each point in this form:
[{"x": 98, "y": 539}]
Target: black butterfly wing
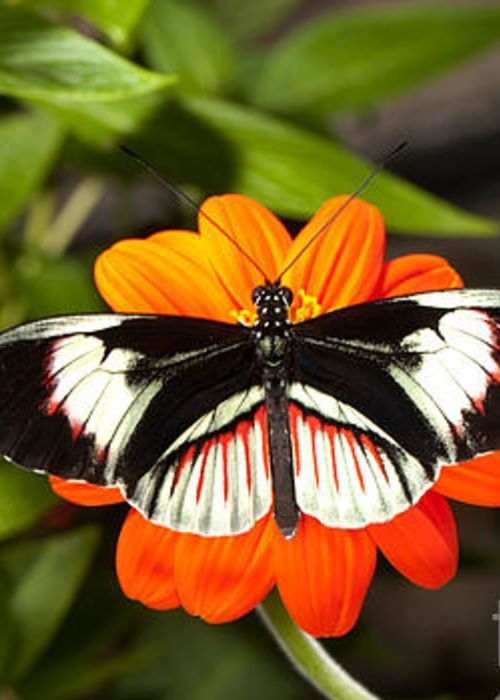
[
  {"x": 387, "y": 394},
  {"x": 169, "y": 409}
]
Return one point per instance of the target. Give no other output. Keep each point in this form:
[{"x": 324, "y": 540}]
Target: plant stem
[
  {"x": 72, "y": 216},
  {"x": 308, "y": 656}
]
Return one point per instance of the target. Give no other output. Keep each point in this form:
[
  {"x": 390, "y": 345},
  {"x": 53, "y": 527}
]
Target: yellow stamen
[
  {"x": 244, "y": 316},
  {"x": 304, "y": 307}
]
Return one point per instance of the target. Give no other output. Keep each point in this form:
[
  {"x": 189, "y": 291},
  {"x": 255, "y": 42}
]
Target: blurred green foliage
[{"x": 197, "y": 90}]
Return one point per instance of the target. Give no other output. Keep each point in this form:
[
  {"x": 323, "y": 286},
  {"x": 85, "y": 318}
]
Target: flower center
[
  {"x": 244, "y": 316},
  {"x": 304, "y": 307}
]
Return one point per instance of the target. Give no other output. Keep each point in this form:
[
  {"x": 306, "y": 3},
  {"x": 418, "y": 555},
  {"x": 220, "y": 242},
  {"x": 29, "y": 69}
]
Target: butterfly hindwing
[
  {"x": 216, "y": 479},
  {"x": 387, "y": 394},
  {"x": 154, "y": 405}
]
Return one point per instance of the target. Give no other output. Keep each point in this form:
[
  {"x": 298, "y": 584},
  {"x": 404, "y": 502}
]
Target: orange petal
[
  {"x": 412, "y": 274},
  {"x": 323, "y": 574},
  {"x": 261, "y": 235},
  {"x": 223, "y": 578},
  {"x": 476, "y": 481},
  {"x": 422, "y": 542},
  {"x": 343, "y": 265},
  {"x": 85, "y": 494},
  {"x": 167, "y": 273},
  {"x": 145, "y": 562}
]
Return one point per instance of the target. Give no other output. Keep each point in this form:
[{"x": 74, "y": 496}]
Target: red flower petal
[
  {"x": 422, "y": 542},
  {"x": 223, "y": 578},
  {"x": 323, "y": 575},
  {"x": 412, "y": 274},
  {"x": 343, "y": 265},
  {"x": 85, "y": 494},
  {"x": 261, "y": 235},
  {"x": 145, "y": 562},
  {"x": 167, "y": 273},
  {"x": 476, "y": 481}
]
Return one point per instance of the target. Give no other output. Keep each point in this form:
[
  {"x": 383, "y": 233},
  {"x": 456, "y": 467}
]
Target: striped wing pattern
[
  {"x": 212, "y": 486},
  {"x": 386, "y": 395},
  {"x": 382, "y": 397},
  {"x": 347, "y": 473},
  {"x": 166, "y": 409}
]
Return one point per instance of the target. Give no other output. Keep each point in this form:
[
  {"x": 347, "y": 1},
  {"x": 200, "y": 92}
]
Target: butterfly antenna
[
  {"x": 187, "y": 199},
  {"x": 378, "y": 167}
]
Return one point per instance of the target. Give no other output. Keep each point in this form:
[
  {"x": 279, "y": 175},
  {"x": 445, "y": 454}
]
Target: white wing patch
[
  {"x": 457, "y": 367},
  {"x": 92, "y": 392},
  {"x": 219, "y": 487}
]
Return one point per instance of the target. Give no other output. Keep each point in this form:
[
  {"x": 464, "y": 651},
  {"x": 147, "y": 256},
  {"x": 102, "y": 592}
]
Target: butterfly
[{"x": 207, "y": 426}]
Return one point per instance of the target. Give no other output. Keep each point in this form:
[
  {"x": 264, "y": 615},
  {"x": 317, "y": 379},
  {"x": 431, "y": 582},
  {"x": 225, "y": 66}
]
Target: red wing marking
[
  {"x": 185, "y": 463},
  {"x": 370, "y": 447},
  {"x": 331, "y": 431},
  {"x": 54, "y": 406},
  {"x": 347, "y": 476},
  {"x": 316, "y": 433},
  {"x": 225, "y": 441},
  {"x": 219, "y": 486},
  {"x": 352, "y": 442},
  {"x": 242, "y": 430}
]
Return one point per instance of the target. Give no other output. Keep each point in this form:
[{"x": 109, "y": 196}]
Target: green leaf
[
  {"x": 24, "y": 498},
  {"x": 117, "y": 19},
  {"x": 48, "y": 287},
  {"x": 93, "y": 646},
  {"x": 356, "y": 59},
  {"x": 28, "y": 147},
  {"x": 247, "y": 20},
  {"x": 6, "y": 630},
  {"x": 185, "y": 39},
  {"x": 224, "y": 147},
  {"x": 99, "y": 122},
  {"x": 41, "y": 61},
  {"x": 45, "y": 589}
]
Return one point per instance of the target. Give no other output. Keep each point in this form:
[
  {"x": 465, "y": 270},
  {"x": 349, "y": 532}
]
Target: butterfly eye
[{"x": 258, "y": 295}]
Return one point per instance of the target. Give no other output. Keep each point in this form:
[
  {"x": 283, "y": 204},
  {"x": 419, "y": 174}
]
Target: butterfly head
[{"x": 272, "y": 303}]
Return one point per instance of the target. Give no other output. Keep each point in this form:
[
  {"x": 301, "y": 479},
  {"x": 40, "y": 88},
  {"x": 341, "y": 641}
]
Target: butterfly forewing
[
  {"x": 168, "y": 409},
  {"x": 387, "y": 394}
]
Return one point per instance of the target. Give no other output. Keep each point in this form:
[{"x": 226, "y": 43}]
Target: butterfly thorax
[
  {"x": 272, "y": 331},
  {"x": 272, "y": 304}
]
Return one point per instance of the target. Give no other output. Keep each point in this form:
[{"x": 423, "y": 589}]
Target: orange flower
[{"x": 322, "y": 573}]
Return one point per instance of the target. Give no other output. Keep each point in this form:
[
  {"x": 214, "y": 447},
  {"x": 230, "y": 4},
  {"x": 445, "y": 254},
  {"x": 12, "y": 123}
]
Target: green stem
[
  {"x": 308, "y": 656},
  {"x": 72, "y": 216}
]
